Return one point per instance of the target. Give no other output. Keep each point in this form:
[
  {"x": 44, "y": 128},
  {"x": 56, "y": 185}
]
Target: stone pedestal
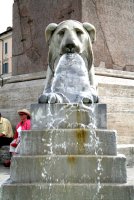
[
  {"x": 72, "y": 161},
  {"x": 68, "y": 116}
]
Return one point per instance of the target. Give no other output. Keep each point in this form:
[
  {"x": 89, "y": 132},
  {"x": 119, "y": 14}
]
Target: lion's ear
[
  {"x": 49, "y": 31},
  {"x": 91, "y": 30}
]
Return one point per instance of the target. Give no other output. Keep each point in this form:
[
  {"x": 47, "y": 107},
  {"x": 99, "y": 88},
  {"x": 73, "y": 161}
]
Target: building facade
[{"x": 6, "y": 52}]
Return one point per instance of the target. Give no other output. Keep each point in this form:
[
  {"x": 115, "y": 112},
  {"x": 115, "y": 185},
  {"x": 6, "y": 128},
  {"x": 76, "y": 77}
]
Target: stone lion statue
[{"x": 70, "y": 73}]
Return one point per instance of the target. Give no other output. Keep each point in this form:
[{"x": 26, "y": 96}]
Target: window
[
  {"x": 5, "y": 68},
  {"x": 6, "y": 48}
]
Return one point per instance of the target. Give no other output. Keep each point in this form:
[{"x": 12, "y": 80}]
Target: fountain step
[
  {"x": 68, "y": 141},
  {"x": 39, "y": 191},
  {"x": 68, "y": 115},
  {"x": 68, "y": 169}
]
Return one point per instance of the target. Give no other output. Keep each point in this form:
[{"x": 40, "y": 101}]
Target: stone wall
[
  {"x": 19, "y": 92},
  {"x": 113, "y": 21},
  {"x": 116, "y": 89}
]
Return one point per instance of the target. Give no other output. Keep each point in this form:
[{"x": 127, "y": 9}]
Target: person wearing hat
[
  {"x": 6, "y": 132},
  {"x": 24, "y": 124}
]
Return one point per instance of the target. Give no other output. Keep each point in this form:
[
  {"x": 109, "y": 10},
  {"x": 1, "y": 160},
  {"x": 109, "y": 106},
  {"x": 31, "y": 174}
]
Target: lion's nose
[
  {"x": 70, "y": 43},
  {"x": 70, "y": 48}
]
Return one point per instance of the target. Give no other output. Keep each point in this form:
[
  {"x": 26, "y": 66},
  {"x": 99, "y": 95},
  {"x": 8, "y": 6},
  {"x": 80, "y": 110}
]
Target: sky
[{"x": 5, "y": 14}]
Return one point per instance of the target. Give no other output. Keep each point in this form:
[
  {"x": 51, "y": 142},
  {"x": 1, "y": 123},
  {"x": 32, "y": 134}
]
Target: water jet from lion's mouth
[{"x": 71, "y": 78}]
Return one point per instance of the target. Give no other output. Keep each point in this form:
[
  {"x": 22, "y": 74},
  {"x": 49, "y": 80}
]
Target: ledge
[
  {"x": 114, "y": 73},
  {"x": 27, "y": 77},
  {"x": 42, "y": 75}
]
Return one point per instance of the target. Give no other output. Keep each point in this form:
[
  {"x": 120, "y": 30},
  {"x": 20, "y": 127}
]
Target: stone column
[{"x": 113, "y": 21}]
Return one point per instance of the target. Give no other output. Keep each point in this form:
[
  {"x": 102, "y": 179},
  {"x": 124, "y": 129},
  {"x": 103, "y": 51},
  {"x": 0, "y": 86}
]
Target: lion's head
[{"x": 70, "y": 36}]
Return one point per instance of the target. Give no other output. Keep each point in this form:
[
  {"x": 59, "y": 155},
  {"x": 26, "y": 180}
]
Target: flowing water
[
  {"x": 71, "y": 79},
  {"x": 71, "y": 82}
]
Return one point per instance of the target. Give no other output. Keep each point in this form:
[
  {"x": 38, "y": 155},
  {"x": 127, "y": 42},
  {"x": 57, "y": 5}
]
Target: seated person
[
  {"x": 24, "y": 124},
  {"x": 6, "y": 132}
]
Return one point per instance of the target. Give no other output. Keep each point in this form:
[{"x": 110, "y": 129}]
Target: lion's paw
[{"x": 50, "y": 98}]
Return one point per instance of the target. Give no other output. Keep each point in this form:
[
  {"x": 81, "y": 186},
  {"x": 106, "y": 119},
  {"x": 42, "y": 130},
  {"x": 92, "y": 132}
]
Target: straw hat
[{"x": 24, "y": 111}]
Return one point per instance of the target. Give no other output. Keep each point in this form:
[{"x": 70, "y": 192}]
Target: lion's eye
[
  {"x": 79, "y": 32},
  {"x": 61, "y": 33}
]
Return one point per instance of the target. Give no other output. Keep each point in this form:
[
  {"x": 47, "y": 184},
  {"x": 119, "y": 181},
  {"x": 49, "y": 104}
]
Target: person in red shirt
[{"x": 24, "y": 124}]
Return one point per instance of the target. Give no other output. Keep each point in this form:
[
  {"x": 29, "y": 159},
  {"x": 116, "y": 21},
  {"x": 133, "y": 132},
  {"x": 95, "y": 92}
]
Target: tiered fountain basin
[{"x": 65, "y": 157}]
